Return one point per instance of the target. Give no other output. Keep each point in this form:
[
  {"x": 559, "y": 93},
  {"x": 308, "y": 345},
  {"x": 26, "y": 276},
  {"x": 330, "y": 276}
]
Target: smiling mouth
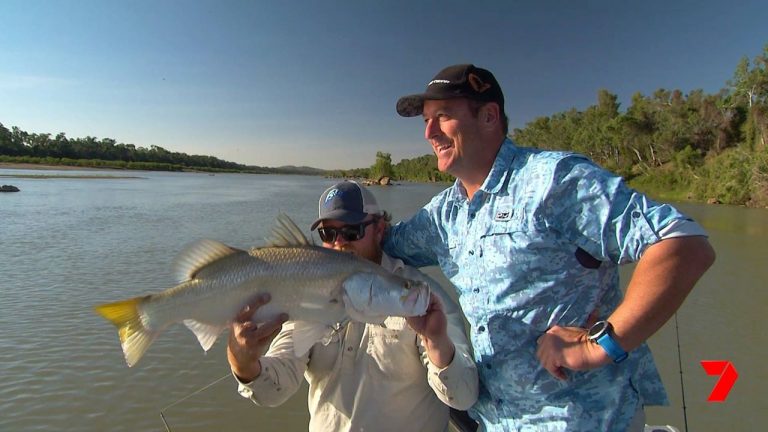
[{"x": 441, "y": 148}]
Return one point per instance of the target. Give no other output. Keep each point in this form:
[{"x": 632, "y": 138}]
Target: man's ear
[
  {"x": 489, "y": 114},
  {"x": 381, "y": 229}
]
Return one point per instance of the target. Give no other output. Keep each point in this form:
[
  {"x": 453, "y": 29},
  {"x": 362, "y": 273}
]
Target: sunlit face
[
  {"x": 368, "y": 247},
  {"x": 453, "y": 132}
]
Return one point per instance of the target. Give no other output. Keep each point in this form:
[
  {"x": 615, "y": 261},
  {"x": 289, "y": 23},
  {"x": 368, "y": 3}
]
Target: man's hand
[
  {"x": 248, "y": 342},
  {"x": 563, "y": 348},
  {"x": 433, "y": 328}
]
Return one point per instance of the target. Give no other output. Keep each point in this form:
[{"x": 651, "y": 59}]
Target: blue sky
[{"x": 315, "y": 82}]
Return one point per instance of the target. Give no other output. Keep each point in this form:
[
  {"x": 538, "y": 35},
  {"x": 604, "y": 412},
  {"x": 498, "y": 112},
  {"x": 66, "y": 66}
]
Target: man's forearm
[
  {"x": 440, "y": 351},
  {"x": 662, "y": 279}
]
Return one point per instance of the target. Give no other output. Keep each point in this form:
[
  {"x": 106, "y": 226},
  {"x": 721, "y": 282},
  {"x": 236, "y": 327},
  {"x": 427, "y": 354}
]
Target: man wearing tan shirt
[{"x": 401, "y": 376}]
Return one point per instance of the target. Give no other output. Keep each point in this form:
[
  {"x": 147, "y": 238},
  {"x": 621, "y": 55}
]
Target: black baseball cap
[
  {"x": 347, "y": 201},
  {"x": 457, "y": 81}
]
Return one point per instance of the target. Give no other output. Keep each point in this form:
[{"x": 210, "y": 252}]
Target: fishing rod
[
  {"x": 162, "y": 416},
  {"x": 680, "y": 367}
]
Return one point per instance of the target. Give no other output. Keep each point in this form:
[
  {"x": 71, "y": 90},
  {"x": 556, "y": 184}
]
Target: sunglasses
[{"x": 349, "y": 233}]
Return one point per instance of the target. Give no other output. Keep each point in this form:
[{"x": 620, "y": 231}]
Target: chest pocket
[
  {"x": 393, "y": 351},
  {"x": 501, "y": 239}
]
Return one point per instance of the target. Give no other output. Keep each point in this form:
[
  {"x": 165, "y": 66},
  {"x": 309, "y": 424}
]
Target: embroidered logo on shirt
[{"x": 503, "y": 215}]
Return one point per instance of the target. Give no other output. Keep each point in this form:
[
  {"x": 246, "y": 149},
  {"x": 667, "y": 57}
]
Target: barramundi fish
[{"x": 315, "y": 286}]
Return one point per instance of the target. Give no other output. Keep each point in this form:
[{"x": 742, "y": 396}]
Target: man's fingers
[
  {"x": 592, "y": 318},
  {"x": 249, "y": 309},
  {"x": 270, "y": 327},
  {"x": 255, "y": 334},
  {"x": 548, "y": 356},
  {"x": 558, "y": 372}
]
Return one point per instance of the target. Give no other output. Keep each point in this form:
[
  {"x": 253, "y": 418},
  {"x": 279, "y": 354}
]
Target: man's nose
[{"x": 431, "y": 129}]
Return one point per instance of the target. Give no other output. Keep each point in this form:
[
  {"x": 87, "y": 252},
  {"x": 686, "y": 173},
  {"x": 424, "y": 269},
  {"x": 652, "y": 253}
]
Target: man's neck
[{"x": 480, "y": 169}]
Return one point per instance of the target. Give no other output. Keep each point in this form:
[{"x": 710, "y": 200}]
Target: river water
[{"x": 67, "y": 244}]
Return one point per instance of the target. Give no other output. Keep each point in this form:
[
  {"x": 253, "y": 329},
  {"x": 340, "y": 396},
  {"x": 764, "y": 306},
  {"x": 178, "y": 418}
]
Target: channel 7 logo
[{"x": 728, "y": 377}]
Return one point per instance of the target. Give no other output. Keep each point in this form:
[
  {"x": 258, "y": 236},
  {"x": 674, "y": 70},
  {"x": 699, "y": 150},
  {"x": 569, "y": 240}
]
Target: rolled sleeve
[{"x": 601, "y": 214}]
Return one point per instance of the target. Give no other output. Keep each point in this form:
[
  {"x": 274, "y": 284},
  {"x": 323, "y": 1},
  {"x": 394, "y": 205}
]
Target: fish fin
[
  {"x": 286, "y": 233},
  {"x": 206, "y": 333},
  {"x": 306, "y": 334},
  {"x": 198, "y": 255},
  {"x": 135, "y": 338}
]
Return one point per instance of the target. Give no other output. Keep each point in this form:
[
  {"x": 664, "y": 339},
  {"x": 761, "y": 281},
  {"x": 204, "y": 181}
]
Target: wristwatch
[{"x": 602, "y": 334}]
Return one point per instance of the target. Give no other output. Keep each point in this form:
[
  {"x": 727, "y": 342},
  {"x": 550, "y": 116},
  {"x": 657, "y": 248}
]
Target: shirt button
[
  {"x": 471, "y": 215},
  {"x": 476, "y": 290},
  {"x": 481, "y": 329},
  {"x": 636, "y": 214}
]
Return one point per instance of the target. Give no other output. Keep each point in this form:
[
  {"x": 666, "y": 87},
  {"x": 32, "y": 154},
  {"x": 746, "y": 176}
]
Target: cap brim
[
  {"x": 411, "y": 106},
  {"x": 345, "y": 216}
]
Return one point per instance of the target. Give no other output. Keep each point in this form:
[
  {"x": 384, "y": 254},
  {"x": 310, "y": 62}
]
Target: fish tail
[{"x": 135, "y": 337}]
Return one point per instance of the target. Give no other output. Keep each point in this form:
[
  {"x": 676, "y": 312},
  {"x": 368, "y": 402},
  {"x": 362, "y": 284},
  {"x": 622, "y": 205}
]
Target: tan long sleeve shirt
[{"x": 372, "y": 377}]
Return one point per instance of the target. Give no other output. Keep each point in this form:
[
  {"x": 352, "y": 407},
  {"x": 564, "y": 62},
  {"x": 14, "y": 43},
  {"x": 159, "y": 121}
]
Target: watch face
[{"x": 597, "y": 329}]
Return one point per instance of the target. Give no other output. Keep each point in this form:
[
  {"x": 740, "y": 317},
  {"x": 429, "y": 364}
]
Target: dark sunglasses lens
[
  {"x": 327, "y": 235},
  {"x": 349, "y": 233},
  {"x": 352, "y": 232}
]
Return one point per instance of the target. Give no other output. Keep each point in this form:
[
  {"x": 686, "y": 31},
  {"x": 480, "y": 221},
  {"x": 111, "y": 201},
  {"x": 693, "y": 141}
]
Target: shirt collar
[
  {"x": 391, "y": 264},
  {"x": 500, "y": 169}
]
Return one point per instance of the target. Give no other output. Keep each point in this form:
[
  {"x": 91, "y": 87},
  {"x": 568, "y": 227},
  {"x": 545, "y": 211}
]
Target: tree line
[
  {"x": 20, "y": 146},
  {"x": 697, "y": 146},
  {"x": 420, "y": 169}
]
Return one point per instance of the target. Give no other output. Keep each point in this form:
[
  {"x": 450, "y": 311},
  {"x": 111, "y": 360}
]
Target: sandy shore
[
  {"x": 36, "y": 167},
  {"x": 9, "y": 165}
]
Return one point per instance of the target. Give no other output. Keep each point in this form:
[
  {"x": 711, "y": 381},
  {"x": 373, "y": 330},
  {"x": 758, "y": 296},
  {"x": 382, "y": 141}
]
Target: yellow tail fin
[{"x": 134, "y": 337}]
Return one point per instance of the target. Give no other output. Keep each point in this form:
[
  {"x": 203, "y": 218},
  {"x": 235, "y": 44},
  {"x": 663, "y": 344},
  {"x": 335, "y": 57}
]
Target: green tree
[
  {"x": 382, "y": 167},
  {"x": 749, "y": 89}
]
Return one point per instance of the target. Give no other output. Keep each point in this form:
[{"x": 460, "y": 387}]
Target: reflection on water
[{"x": 67, "y": 244}]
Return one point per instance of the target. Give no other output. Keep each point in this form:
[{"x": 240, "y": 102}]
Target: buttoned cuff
[
  {"x": 452, "y": 380},
  {"x": 245, "y": 389}
]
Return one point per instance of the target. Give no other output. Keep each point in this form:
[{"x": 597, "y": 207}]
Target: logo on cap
[
  {"x": 478, "y": 83},
  {"x": 330, "y": 196},
  {"x": 438, "y": 81}
]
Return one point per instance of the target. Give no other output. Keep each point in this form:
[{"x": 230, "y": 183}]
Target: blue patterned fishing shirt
[{"x": 540, "y": 244}]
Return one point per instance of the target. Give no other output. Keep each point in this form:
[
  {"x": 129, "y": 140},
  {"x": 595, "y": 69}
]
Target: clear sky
[{"x": 315, "y": 82}]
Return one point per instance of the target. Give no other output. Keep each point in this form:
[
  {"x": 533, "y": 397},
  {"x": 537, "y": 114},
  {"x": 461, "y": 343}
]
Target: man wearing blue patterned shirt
[{"x": 532, "y": 240}]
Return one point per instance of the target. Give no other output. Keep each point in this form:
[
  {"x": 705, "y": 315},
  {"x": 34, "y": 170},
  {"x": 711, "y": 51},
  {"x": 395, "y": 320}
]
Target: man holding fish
[{"x": 402, "y": 374}]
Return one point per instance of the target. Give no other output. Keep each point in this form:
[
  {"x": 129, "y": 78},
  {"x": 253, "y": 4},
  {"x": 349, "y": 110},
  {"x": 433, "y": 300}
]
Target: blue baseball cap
[{"x": 347, "y": 201}]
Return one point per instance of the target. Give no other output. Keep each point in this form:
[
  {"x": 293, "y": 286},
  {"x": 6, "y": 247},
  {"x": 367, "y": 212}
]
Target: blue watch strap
[{"x": 612, "y": 347}]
